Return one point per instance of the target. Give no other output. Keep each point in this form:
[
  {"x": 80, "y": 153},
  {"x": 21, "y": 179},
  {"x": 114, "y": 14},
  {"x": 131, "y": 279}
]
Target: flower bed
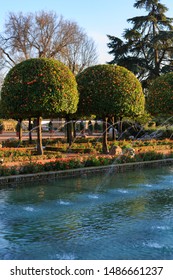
[
  {"x": 25, "y": 161},
  {"x": 79, "y": 162}
]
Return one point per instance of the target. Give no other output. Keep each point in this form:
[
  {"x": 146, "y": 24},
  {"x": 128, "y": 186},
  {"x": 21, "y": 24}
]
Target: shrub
[
  {"x": 39, "y": 87},
  {"x": 108, "y": 91},
  {"x": 4, "y": 171},
  {"x": 151, "y": 155},
  {"x": 160, "y": 96}
]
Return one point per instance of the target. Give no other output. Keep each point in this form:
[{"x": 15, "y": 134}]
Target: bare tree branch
[{"x": 44, "y": 34}]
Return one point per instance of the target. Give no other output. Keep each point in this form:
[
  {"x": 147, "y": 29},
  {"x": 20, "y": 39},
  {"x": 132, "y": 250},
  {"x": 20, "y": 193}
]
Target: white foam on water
[
  {"x": 63, "y": 202},
  {"x": 154, "y": 245},
  {"x": 65, "y": 256},
  {"x": 148, "y": 185},
  {"x": 161, "y": 227},
  {"x": 93, "y": 196},
  {"x": 140, "y": 185},
  {"x": 29, "y": 208},
  {"x": 122, "y": 191}
]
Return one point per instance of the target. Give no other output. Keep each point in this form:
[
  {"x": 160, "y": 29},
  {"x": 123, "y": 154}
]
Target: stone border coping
[{"x": 15, "y": 180}]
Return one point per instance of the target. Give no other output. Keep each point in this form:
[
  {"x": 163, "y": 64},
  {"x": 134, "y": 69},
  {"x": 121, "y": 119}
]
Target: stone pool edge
[{"x": 54, "y": 175}]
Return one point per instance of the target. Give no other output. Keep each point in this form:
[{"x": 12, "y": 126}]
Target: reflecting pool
[{"x": 121, "y": 216}]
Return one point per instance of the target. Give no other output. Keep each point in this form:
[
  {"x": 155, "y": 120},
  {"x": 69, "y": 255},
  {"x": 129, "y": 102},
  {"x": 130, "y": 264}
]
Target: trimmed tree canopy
[
  {"x": 160, "y": 96},
  {"x": 109, "y": 90},
  {"x": 39, "y": 87}
]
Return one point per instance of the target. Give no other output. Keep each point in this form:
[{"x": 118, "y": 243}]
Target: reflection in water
[{"x": 128, "y": 217}]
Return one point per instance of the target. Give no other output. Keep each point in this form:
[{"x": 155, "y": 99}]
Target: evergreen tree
[
  {"x": 39, "y": 87},
  {"x": 160, "y": 97},
  {"x": 108, "y": 91},
  {"x": 147, "y": 49}
]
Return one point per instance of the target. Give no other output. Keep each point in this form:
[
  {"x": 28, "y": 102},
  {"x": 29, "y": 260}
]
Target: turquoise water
[{"x": 122, "y": 216}]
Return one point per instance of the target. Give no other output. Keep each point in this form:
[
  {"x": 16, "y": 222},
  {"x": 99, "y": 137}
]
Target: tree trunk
[
  {"x": 74, "y": 129},
  {"x": 20, "y": 130},
  {"x": 39, "y": 137},
  {"x": 105, "y": 143},
  {"x": 120, "y": 127},
  {"x": 156, "y": 52},
  {"x": 69, "y": 131}
]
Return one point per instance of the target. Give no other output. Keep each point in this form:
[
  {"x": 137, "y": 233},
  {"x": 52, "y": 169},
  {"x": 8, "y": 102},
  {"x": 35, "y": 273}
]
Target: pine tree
[{"x": 147, "y": 49}]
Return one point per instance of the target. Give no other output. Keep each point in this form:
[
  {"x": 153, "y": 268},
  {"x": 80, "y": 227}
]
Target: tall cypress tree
[{"x": 147, "y": 47}]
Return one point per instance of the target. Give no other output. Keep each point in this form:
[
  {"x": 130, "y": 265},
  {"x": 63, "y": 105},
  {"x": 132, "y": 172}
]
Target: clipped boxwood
[
  {"x": 160, "y": 96},
  {"x": 39, "y": 87},
  {"x": 109, "y": 91}
]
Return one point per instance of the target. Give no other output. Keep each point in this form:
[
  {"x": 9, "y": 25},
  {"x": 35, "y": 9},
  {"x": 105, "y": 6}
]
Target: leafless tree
[
  {"x": 80, "y": 54},
  {"x": 45, "y": 34},
  {"x": 15, "y": 41}
]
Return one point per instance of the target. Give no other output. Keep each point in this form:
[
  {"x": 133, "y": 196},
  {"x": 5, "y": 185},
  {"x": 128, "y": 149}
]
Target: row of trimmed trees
[
  {"x": 45, "y": 88},
  {"x": 42, "y": 88}
]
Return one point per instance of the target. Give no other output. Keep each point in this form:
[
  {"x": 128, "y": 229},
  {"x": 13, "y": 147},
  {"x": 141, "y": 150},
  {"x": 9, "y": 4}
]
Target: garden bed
[
  {"x": 24, "y": 160},
  {"x": 16, "y": 180}
]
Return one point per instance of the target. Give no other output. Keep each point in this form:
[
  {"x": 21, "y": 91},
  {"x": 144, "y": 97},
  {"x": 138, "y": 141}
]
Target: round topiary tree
[
  {"x": 107, "y": 91},
  {"x": 38, "y": 88},
  {"x": 160, "y": 96}
]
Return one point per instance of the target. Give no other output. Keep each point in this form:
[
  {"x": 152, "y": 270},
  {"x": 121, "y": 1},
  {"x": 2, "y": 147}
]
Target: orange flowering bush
[
  {"x": 57, "y": 165},
  {"x": 109, "y": 90},
  {"x": 160, "y": 96},
  {"x": 39, "y": 87}
]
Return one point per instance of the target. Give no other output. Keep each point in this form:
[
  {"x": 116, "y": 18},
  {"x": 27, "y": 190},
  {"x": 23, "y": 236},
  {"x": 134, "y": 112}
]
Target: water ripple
[
  {"x": 29, "y": 208},
  {"x": 64, "y": 202}
]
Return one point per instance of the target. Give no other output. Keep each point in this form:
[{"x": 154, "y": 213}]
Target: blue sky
[{"x": 96, "y": 17}]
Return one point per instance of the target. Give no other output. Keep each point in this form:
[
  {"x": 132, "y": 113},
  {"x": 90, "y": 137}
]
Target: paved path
[{"x": 7, "y": 135}]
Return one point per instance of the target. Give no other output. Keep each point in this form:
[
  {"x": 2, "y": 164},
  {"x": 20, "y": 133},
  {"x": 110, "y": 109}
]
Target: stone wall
[{"x": 16, "y": 180}]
